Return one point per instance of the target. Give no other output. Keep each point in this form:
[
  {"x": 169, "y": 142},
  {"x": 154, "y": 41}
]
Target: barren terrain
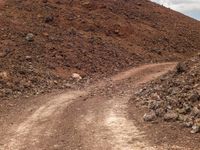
[
  {"x": 95, "y": 117},
  {"x": 43, "y": 42},
  {"x": 73, "y": 73}
]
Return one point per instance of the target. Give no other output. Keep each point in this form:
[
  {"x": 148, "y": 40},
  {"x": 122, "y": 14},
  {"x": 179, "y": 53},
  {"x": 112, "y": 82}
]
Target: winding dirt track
[{"x": 94, "y": 118}]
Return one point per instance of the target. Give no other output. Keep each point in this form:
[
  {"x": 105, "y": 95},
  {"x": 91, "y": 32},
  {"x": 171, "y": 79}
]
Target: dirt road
[{"x": 91, "y": 118}]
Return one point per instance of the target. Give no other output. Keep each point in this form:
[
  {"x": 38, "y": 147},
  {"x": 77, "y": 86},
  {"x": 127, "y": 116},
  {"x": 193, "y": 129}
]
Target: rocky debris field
[
  {"x": 44, "y": 43},
  {"x": 175, "y": 97}
]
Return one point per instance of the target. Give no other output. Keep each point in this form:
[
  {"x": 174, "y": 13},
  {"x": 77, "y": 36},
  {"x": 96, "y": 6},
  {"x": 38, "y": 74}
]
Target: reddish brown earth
[
  {"x": 92, "y": 38},
  {"x": 95, "y": 39},
  {"x": 94, "y": 117},
  {"x": 98, "y": 116}
]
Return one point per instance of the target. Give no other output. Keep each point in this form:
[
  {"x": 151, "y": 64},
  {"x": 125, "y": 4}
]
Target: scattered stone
[
  {"x": 170, "y": 116},
  {"x": 149, "y": 116},
  {"x": 8, "y": 91},
  {"x": 187, "y": 107},
  {"x": 67, "y": 85},
  {"x": 160, "y": 112},
  {"x": 4, "y": 75},
  {"x": 157, "y": 50},
  {"x": 139, "y": 4},
  {"x": 169, "y": 107},
  {"x": 153, "y": 104},
  {"x": 182, "y": 111},
  {"x": 195, "y": 129},
  {"x": 30, "y": 37},
  {"x": 188, "y": 124},
  {"x": 76, "y": 76},
  {"x": 194, "y": 97},
  {"x": 181, "y": 67},
  {"x": 178, "y": 91},
  {"x": 155, "y": 96},
  {"x": 195, "y": 112},
  {"x": 86, "y": 4},
  {"x": 197, "y": 121},
  {"x": 49, "y": 19},
  {"x": 28, "y": 58},
  {"x": 183, "y": 118}
]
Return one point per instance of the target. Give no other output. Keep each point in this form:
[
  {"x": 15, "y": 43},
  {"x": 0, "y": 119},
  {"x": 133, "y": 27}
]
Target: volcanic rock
[{"x": 149, "y": 116}]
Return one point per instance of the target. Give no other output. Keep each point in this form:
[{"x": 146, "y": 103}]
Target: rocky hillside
[
  {"x": 43, "y": 42},
  {"x": 175, "y": 96}
]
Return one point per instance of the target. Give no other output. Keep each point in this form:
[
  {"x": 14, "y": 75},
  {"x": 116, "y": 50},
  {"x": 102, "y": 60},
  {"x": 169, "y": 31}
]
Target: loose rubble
[
  {"x": 175, "y": 97},
  {"x": 149, "y": 116}
]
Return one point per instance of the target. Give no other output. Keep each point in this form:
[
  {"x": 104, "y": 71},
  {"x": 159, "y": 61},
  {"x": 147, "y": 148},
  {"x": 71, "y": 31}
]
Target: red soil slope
[{"x": 87, "y": 37}]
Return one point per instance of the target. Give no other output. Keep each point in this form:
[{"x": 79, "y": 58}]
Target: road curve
[{"x": 93, "y": 118}]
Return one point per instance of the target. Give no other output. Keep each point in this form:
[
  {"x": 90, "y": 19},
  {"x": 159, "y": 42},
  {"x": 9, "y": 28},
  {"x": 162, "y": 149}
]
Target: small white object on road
[{"x": 76, "y": 76}]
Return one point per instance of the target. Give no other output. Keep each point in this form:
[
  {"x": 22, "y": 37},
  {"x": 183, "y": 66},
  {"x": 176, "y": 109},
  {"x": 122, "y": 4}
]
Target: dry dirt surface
[
  {"x": 96, "y": 117},
  {"x": 42, "y": 42}
]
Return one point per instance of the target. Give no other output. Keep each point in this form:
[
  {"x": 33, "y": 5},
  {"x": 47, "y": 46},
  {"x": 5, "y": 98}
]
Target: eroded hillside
[{"x": 44, "y": 42}]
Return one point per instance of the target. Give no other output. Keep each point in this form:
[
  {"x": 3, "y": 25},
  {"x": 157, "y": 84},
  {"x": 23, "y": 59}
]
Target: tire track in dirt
[
  {"x": 109, "y": 123},
  {"x": 32, "y": 125},
  {"x": 113, "y": 126}
]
